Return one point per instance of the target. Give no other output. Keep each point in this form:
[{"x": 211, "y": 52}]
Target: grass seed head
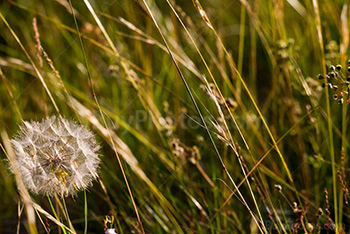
[{"x": 56, "y": 156}]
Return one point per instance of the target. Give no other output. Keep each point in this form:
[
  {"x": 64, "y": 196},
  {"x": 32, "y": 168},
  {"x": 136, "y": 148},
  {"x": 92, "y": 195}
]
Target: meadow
[{"x": 225, "y": 116}]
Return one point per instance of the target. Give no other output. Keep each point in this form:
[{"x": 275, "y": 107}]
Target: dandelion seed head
[{"x": 56, "y": 156}]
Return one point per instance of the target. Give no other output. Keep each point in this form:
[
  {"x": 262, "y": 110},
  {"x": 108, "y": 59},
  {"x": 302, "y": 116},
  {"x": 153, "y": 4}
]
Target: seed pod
[
  {"x": 56, "y": 156},
  {"x": 338, "y": 67}
]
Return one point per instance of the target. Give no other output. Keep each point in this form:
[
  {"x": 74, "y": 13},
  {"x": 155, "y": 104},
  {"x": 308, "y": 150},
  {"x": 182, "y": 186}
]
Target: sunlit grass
[{"x": 210, "y": 115}]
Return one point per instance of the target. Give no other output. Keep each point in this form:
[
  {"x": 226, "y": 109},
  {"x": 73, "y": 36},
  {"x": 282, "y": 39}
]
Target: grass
[{"x": 210, "y": 115}]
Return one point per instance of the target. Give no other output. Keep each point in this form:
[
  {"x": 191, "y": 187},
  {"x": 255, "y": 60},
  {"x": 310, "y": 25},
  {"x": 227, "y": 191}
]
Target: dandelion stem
[
  {"x": 85, "y": 211},
  {"x": 54, "y": 212}
]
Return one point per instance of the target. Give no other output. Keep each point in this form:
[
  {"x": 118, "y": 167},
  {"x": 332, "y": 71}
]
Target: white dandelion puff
[{"x": 56, "y": 156}]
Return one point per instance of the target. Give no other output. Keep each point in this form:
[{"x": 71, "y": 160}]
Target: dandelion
[{"x": 56, "y": 156}]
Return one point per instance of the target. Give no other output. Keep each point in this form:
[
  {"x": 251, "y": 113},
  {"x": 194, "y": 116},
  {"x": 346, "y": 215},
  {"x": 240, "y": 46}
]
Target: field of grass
[{"x": 226, "y": 116}]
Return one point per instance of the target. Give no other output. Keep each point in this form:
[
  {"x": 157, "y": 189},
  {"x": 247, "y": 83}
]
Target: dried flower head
[{"x": 56, "y": 156}]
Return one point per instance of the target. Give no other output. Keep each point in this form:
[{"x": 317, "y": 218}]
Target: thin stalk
[
  {"x": 32, "y": 62},
  {"x": 330, "y": 133},
  {"x": 259, "y": 162},
  {"x": 344, "y": 18},
  {"x": 197, "y": 4},
  {"x": 85, "y": 212},
  {"x": 28, "y": 203},
  {"x": 200, "y": 115},
  {"x": 66, "y": 214},
  {"x": 231, "y": 115},
  {"x": 241, "y": 47},
  {"x": 55, "y": 214},
  {"x": 87, "y": 3}
]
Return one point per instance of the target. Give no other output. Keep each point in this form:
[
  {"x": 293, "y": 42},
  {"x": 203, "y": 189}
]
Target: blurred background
[{"x": 107, "y": 67}]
